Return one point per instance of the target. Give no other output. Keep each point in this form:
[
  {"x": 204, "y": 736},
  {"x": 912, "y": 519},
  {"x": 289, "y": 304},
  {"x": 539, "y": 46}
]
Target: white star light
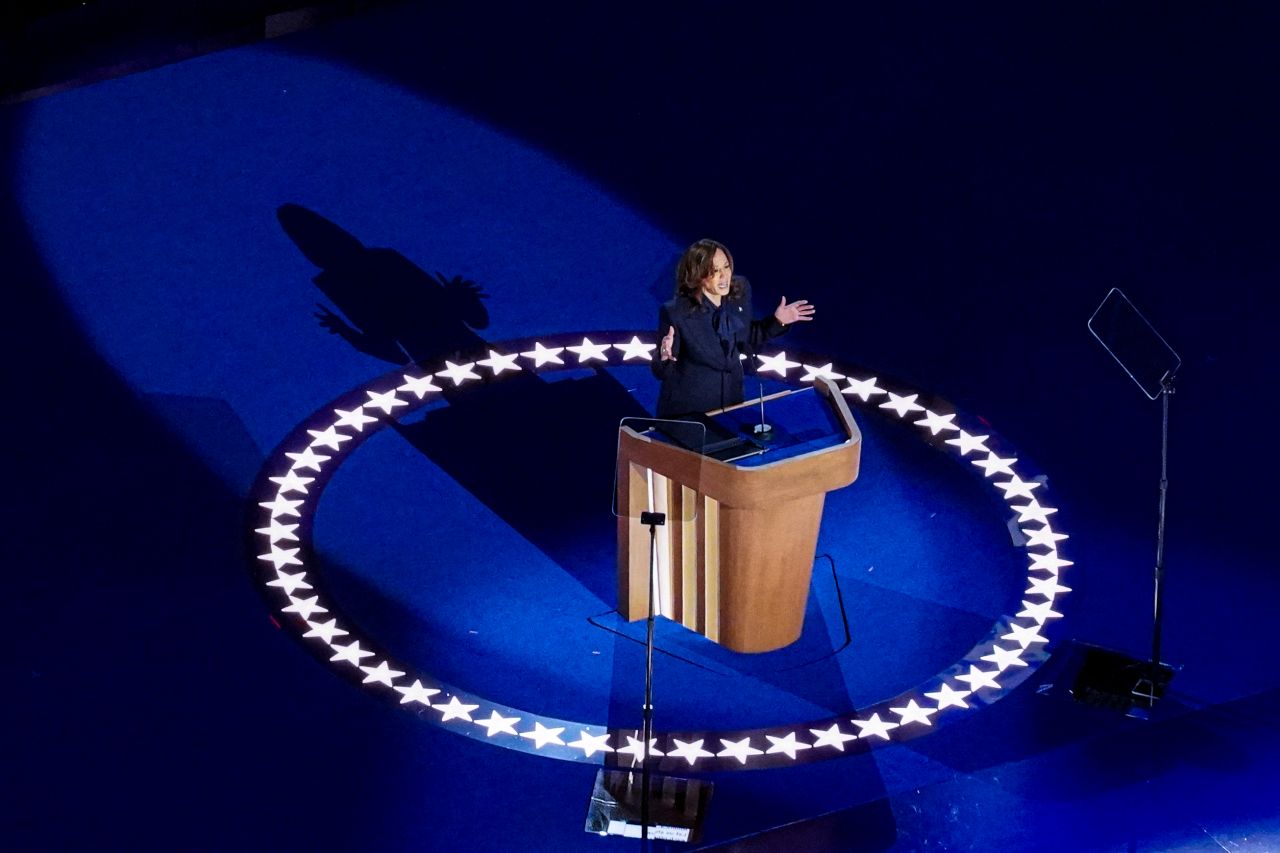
[
  {"x": 356, "y": 418},
  {"x": 635, "y": 747},
  {"x": 739, "y": 749},
  {"x": 1024, "y": 635},
  {"x": 382, "y": 673},
  {"x": 902, "y": 405},
  {"x": 308, "y": 459},
  {"x": 978, "y": 678},
  {"x": 542, "y": 355},
  {"x": 690, "y": 752},
  {"x": 864, "y": 388},
  {"x": 1039, "y": 612},
  {"x": 1005, "y": 658},
  {"x": 811, "y": 373},
  {"x": 831, "y": 737},
  {"x": 498, "y": 724},
  {"x": 458, "y": 373},
  {"x": 455, "y": 709},
  {"x": 328, "y": 437},
  {"x": 779, "y": 363},
  {"x": 350, "y": 653},
  {"x": 969, "y": 443},
  {"x": 948, "y": 697},
  {"x": 1048, "y": 587},
  {"x": 290, "y": 583},
  {"x": 591, "y": 744},
  {"x": 418, "y": 386},
  {"x": 325, "y": 630},
  {"x": 1017, "y": 488},
  {"x": 541, "y": 735},
  {"x": 1032, "y": 511},
  {"x": 874, "y": 726},
  {"x": 788, "y": 745},
  {"x": 587, "y": 351},
  {"x": 993, "y": 465},
  {"x": 291, "y": 482},
  {"x": 386, "y": 401},
  {"x": 304, "y": 607},
  {"x": 636, "y": 348},
  {"x": 937, "y": 423},
  {"x": 280, "y": 506},
  {"x": 914, "y": 713},
  {"x": 416, "y": 693},
  {"x": 1044, "y": 536},
  {"x": 1050, "y": 562},
  {"x": 498, "y": 363},
  {"x": 278, "y": 531},
  {"x": 280, "y": 557}
]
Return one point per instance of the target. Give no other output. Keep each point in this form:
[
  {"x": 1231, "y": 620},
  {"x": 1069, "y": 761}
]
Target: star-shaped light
[
  {"x": 328, "y": 437},
  {"x": 690, "y": 752},
  {"x": 978, "y": 678},
  {"x": 291, "y": 482},
  {"x": 542, "y": 735},
  {"x": 278, "y": 531},
  {"x": 1032, "y": 511},
  {"x": 1005, "y": 658},
  {"x": 498, "y": 724},
  {"x": 418, "y": 386},
  {"x": 1024, "y": 635},
  {"x": 591, "y": 744},
  {"x": 864, "y": 388},
  {"x": 874, "y": 727},
  {"x": 304, "y": 607},
  {"x": 636, "y": 348},
  {"x": 497, "y": 362},
  {"x": 831, "y": 737},
  {"x": 969, "y": 443},
  {"x": 587, "y": 351},
  {"x": 635, "y": 747},
  {"x": 416, "y": 693},
  {"x": 542, "y": 355},
  {"x": 739, "y": 749},
  {"x": 936, "y": 423},
  {"x": 325, "y": 630},
  {"x": 458, "y": 373},
  {"x": 778, "y": 364},
  {"x": 914, "y": 713},
  {"x": 1039, "y": 612},
  {"x": 811, "y": 373},
  {"x": 386, "y": 401},
  {"x": 356, "y": 418},
  {"x": 350, "y": 653},
  {"x": 280, "y": 557},
  {"x": 382, "y": 673},
  {"x": 1017, "y": 488},
  {"x": 1044, "y": 536},
  {"x": 455, "y": 709},
  {"x": 281, "y": 506},
  {"x": 994, "y": 464},
  {"x": 308, "y": 459},
  {"x": 1048, "y": 587},
  {"x": 902, "y": 404},
  {"x": 290, "y": 583},
  {"x": 1050, "y": 562},
  {"x": 948, "y": 697},
  {"x": 788, "y": 745}
]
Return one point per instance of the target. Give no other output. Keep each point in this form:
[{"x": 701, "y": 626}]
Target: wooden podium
[{"x": 736, "y": 554}]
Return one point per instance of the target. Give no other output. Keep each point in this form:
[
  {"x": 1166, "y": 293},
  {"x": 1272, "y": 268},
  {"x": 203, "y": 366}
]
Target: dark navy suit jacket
[{"x": 707, "y": 373}]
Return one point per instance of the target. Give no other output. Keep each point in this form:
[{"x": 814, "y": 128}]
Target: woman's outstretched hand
[
  {"x": 668, "y": 341},
  {"x": 792, "y": 312}
]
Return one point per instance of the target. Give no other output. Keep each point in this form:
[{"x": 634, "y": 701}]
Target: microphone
[{"x": 762, "y": 430}]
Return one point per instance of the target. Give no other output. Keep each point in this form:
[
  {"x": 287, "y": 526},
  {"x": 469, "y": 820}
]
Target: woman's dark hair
[{"x": 697, "y": 263}]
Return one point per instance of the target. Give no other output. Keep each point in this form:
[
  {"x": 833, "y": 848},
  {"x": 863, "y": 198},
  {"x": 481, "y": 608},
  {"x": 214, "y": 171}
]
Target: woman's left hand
[{"x": 793, "y": 312}]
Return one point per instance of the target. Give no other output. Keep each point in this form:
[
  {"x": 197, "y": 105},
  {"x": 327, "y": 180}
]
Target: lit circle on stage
[{"x": 290, "y": 485}]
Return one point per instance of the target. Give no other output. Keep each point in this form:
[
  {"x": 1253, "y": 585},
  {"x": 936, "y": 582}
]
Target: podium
[{"x": 735, "y": 557}]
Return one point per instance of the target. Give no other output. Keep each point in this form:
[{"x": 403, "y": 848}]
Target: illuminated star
[
  {"x": 588, "y": 351},
  {"x": 498, "y": 724},
  {"x": 635, "y": 747},
  {"x": 386, "y": 401},
  {"x": 291, "y": 482},
  {"x": 1017, "y": 488},
  {"x": 831, "y": 737},
  {"x": 356, "y": 418},
  {"x": 787, "y": 744},
  {"x": 591, "y": 744},
  {"x": 902, "y": 405},
  {"x": 937, "y": 423},
  {"x": 1048, "y": 587},
  {"x": 382, "y": 673},
  {"x": 948, "y": 697},
  {"x": 455, "y": 710},
  {"x": 328, "y": 437},
  {"x": 1024, "y": 635},
  {"x": 498, "y": 363},
  {"x": 280, "y": 506},
  {"x": 282, "y": 557},
  {"x": 308, "y": 459},
  {"x": 1005, "y": 658},
  {"x": 690, "y": 752},
  {"x": 739, "y": 749},
  {"x": 864, "y": 388},
  {"x": 636, "y": 348},
  {"x": 541, "y": 735},
  {"x": 811, "y": 373},
  {"x": 993, "y": 465},
  {"x": 969, "y": 443},
  {"x": 1044, "y": 536},
  {"x": 914, "y": 713},
  {"x": 874, "y": 726},
  {"x": 304, "y": 607},
  {"x": 1039, "y": 612},
  {"x": 350, "y": 653},
  {"x": 290, "y": 583},
  {"x": 978, "y": 678},
  {"x": 1032, "y": 511},
  {"x": 418, "y": 386},
  {"x": 542, "y": 355},
  {"x": 325, "y": 630},
  {"x": 458, "y": 372},
  {"x": 417, "y": 693},
  {"x": 278, "y": 531},
  {"x": 777, "y": 363},
  {"x": 1050, "y": 562}
]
